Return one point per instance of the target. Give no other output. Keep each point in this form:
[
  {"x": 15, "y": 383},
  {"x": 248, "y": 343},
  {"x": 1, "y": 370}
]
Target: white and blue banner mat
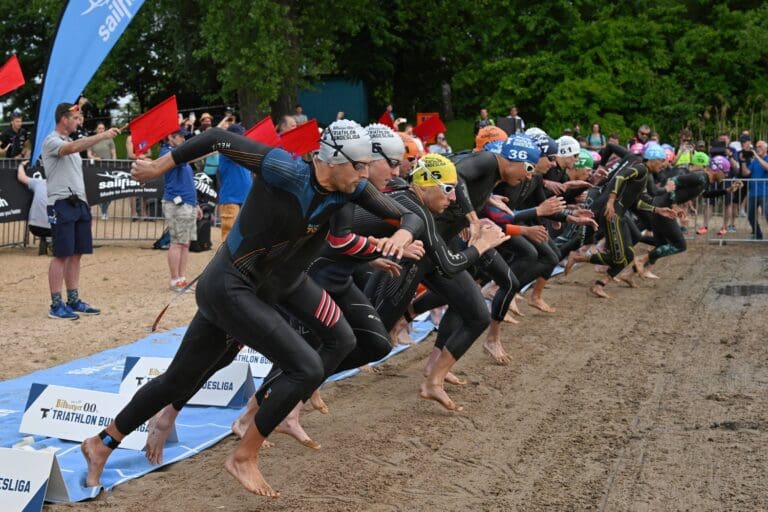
[
  {"x": 197, "y": 427},
  {"x": 87, "y": 31}
]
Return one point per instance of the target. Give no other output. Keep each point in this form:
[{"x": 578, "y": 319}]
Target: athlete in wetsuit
[
  {"x": 667, "y": 235},
  {"x": 284, "y": 218},
  {"x": 620, "y": 193}
]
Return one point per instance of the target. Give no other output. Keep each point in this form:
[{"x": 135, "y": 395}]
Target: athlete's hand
[
  {"x": 670, "y": 186},
  {"x": 500, "y": 202},
  {"x": 491, "y": 236},
  {"x": 536, "y": 234},
  {"x": 144, "y": 170},
  {"x": 610, "y": 212},
  {"x": 394, "y": 245},
  {"x": 666, "y": 212},
  {"x": 414, "y": 251},
  {"x": 555, "y": 187},
  {"x": 577, "y": 184},
  {"x": 387, "y": 266},
  {"x": 583, "y": 212},
  {"x": 551, "y": 206},
  {"x": 583, "y": 221}
]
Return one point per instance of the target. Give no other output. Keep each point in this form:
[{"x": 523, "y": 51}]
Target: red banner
[
  {"x": 264, "y": 132},
  {"x": 302, "y": 139},
  {"x": 149, "y": 128},
  {"x": 11, "y": 76},
  {"x": 429, "y": 128}
]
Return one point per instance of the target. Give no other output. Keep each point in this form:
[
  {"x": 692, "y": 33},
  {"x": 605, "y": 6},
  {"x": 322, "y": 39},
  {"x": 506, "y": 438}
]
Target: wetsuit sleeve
[
  {"x": 614, "y": 149},
  {"x": 341, "y": 239},
  {"x": 653, "y": 189},
  {"x": 242, "y": 150},
  {"x": 688, "y": 186},
  {"x": 629, "y": 173},
  {"x": 385, "y": 208},
  {"x": 448, "y": 263},
  {"x": 644, "y": 207},
  {"x": 462, "y": 197}
]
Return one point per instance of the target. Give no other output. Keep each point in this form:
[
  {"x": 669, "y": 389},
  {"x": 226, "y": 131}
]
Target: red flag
[
  {"x": 10, "y": 76},
  {"x": 302, "y": 139},
  {"x": 150, "y": 127},
  {"x": 386, "y": 120},
  {"x": 264, "y": 132},
  {"x": 429, "y": 128}
]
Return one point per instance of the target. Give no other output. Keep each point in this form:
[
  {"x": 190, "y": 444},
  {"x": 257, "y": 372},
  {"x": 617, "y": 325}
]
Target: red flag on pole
[
  {"x": 429, "y": 128},
  {"x": 386, "y": 120},
  {"x": 150, "y": 127},
  {"x": 302, "y": 139},
  {"x": 11, "y": 76},
  {"x": 264, "y": 132}
]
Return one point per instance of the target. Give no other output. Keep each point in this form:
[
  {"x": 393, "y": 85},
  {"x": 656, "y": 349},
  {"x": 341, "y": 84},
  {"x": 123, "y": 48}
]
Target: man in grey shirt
[
  {"x": 38, "y": 216},
  {"x": 68, "y": 211}
]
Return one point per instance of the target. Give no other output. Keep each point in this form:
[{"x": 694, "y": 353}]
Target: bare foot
[
  {"x": 649, "y": 275},
  {"x": 452, "y": 378},
  {"x": 436, "y": 315},
  {"x": 404, "y": 338},
  {"x": 438, "y": 394},
  {"x": 572, "y": 259},
  {"x": 240, "y": 425},
  {"x": 539, "y": 303},
  {"x": 318, "y": 403},
  {"x": 599, "y": 291},
  {"x": 495, "y": 349},
  {"x": 639, "y": 264},
  {"x": 601, "y": 269},
  {"x": 159, "y": 429},
  {"x": 96, "y": 454},
  {"x": 510, "y": 319},
  {"x": 514, "y": 308},
  {"x": 291, "y": 426},
  {"x": 246, "y": 471}
]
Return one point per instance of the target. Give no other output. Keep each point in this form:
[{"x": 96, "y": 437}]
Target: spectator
[
  {"x": 655, "y": 137},
  {"x": 14, "y": 138},
  {"x": 339, "y": 115},
  {"x": 483, "y": 121},
  {"x": 286, "y": 123},
  {"x": 206, "y": 121},
  {"x": 513, "y": 123},
  {"x": 80, "y": 132},
  {"x": 89, "y": 112},
  {"x": 596, "y": 139},
  {"x": 744, "y": 157},
  {"x": 613, "y": 138},
  {"x": 641, "y": 136},
  {"x": 181, "y": 212},
  {"x": 38, "y": 217},
  {"x": 441, "y": 146},
  {"x": 299, "y": 115},
  {"x": 103, "y": 150},
  {"x": 416, "y": 140},
  {"x": 235, "y": 183},
  {"x": 758, "y": 190},
  {"x": 68, "y": 210}
]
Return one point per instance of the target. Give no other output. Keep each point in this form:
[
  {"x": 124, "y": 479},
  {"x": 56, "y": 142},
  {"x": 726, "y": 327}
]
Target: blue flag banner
[{"x": 88, "y": 29}]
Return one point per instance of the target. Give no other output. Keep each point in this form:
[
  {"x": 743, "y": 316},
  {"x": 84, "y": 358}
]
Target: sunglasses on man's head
[
  {"x": 356, "y": 164},
  {"x": 391, "y": 161}
]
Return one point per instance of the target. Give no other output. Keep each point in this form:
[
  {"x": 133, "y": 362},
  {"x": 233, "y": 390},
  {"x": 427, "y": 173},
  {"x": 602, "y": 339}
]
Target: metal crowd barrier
[{"x": 737, "y": 211}]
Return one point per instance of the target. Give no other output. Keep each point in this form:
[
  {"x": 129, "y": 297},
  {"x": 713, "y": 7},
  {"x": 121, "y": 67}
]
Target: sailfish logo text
[{"x": 118, "y": 10}]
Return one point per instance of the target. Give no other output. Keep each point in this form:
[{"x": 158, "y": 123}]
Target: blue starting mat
[{"x": 197, "y": 427}]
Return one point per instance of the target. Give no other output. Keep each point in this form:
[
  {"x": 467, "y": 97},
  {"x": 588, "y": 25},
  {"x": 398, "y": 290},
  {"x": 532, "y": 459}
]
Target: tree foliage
[{"x": 668, "y": 63}]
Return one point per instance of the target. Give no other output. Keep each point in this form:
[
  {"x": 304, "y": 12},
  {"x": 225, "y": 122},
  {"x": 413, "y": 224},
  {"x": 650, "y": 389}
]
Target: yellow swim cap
[{"x": 433, "y": 168}]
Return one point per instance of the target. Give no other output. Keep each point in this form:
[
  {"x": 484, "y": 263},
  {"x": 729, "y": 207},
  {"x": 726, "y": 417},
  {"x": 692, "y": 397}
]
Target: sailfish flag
[{"x": 87, "y": 31}]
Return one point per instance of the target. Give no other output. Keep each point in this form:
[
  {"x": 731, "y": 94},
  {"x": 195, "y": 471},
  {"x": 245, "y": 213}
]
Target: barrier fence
[
  {"x": 737, "y": 212},
  {"x": 122, "y": 208}
]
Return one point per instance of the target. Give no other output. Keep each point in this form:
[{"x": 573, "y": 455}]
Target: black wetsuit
[{"x": 283, "y": 220}]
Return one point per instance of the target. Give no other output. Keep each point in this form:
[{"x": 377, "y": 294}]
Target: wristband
[{"x": 109, "y": 441}]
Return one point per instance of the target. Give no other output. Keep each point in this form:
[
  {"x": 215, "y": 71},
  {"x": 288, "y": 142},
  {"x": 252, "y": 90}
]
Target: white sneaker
[{"x": 104, "y": 216}]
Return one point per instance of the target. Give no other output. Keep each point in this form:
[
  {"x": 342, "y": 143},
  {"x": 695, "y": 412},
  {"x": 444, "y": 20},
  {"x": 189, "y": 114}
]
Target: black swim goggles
[{"x": 356, "y": 164}]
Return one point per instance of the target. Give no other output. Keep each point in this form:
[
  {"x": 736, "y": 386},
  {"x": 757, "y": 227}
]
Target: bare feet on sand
[
  {"x": 159, "y": 429},
  {"x": 291, "y": 426},
  {"x": 318, "y": 403},
  {"x": 96, "y": 454},
  {"x": 513, "y": 307},
  {"x": 437, "y": 393},
  {"x": 508, "y": 318},
  {"x": 639, "y": 264},
  {"x": 538, "y": 303},
  {"x": 452, "y": 378},
  {"x": 573, "y": 257},
  {"x": 599, "y": 291},
  {"x": 246, "y": 471},
  {"x": 495, "y": 349}
]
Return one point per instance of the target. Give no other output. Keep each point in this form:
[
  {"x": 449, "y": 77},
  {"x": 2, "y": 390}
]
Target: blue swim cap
[
  {"x": 494, "y": 146},
  {"x": 654, "y": 152},
  {"x": 520, "y": 148}
]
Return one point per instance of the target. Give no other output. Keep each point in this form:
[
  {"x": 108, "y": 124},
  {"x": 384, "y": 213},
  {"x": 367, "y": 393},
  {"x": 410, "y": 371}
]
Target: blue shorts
[{"x": 70, "y": 228}]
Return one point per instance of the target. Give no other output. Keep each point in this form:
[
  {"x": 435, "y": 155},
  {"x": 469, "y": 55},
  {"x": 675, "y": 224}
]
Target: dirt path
[{"x": 653, "y": 401}]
